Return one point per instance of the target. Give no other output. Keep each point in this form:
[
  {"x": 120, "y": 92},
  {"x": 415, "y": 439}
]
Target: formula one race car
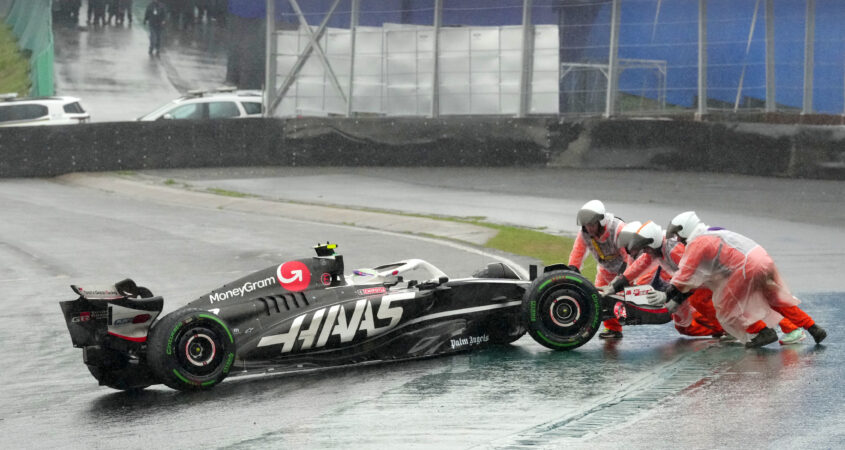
[{"x": 307, "y": 313}]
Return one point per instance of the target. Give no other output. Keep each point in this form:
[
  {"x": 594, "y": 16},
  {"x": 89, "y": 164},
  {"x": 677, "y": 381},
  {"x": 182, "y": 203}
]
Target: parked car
[
  {"x": 216, "y": 104},
  {"x": 24, "y": 112}
]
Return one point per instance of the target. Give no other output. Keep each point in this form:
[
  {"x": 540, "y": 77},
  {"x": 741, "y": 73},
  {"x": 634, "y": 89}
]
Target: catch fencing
[
  {"x": 567, "y": 57},
  {"x": 31, "y": 22}
]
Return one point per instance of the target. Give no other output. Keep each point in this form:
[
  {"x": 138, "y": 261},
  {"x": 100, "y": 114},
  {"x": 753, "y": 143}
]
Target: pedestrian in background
[
  {"x": 125, "y": 11},
  {"x": 111, "y": 11},
  {"x": 154, "y": 16},
  {"x": 97, "y": 12}
]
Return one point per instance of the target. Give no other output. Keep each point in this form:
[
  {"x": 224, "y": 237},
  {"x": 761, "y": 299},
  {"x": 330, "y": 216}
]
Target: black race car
[{"x": 308, "y": 313}]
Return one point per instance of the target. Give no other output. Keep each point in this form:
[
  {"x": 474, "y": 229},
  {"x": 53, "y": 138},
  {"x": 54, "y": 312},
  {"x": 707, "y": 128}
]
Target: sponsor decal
[
  {"x": 90, "y": 315},
  {"x": 247, "y": 287},
  {"x": 619, "y": 310},
  {"x": 293, "y": 276},
  {"x": 469, "y": 341},
  {"x": 638, "y": 291},
  {"x": 99, "y": 293},
  {"x": 326, "y": 279},
  {"x": 371, "y": 291},
  {"x": 333, "y": 321},
  {"x": 140, "y": 318}
]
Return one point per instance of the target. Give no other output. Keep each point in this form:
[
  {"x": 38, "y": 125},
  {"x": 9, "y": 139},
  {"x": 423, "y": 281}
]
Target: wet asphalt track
[{"x": 651, "y": 389}]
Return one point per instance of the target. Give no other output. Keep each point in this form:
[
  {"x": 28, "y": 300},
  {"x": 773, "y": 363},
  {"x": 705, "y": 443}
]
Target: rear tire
[
  {"x": 191, "y": 349},
  {"x": 562, "y": 310}
]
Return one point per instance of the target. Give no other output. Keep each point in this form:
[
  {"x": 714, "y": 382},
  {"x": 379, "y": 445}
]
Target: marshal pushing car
[{"x": 308, "y": 313}]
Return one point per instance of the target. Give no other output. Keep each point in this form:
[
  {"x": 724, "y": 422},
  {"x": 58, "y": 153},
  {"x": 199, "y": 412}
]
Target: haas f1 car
[{"x": 308, "y": 313}]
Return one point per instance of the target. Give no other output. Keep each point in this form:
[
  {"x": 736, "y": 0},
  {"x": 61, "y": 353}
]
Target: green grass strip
[
  {"x": 228, "y": 193},
  {"x": 14, "y": 66},
  {"x": 545, "y": 247},
  {"x": 548, "y": 248},
  {"x": 206, "y": 316}
]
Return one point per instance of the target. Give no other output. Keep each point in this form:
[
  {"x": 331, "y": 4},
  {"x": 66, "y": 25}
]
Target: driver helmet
[
  {"x": 683, "y": 225},
  {"x": 593, "y": 211}
]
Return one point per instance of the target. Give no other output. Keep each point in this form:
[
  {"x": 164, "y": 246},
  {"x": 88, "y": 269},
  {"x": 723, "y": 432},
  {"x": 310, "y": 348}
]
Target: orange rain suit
[
  {"x": 611, "y": 259},
  {"x": 748, "y": 292},
  {"x": 696, "y": 316}
]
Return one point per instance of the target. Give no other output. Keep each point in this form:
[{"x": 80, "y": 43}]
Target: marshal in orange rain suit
[
  {"x": 748, "y": 292},
  {"x": 697, "y": 316},
  {"x": 611, "y": 259}
]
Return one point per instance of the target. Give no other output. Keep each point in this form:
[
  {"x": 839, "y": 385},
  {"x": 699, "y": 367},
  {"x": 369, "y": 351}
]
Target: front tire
[
  {"x": 562, "y": 310},
  {"x": 191, "y": 349}
]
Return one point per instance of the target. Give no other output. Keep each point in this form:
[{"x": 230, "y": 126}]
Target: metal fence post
[
  {"x": 809, "y": 43},
  {"x": 770, "y": 57},
  {"x": 527, "y": 59},
  {"x": 353, "y": 30},
  {"x": 270, "y": 58},
  {"x": 702, "y": 58},
  {"x": 435, "y": 78},
  {"x": 612, "y": 62}
]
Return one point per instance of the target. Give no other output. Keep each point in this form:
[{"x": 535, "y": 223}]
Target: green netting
[
  {"x": 32, "y": 23},
  {"x": 5, "y": 6}
]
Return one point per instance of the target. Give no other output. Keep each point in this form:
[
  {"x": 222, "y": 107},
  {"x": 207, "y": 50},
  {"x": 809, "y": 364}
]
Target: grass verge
[
  {"x": 14, "y": 67},
  {"x": 548, "y": 248},
  {"x": 227, "y": 193}
]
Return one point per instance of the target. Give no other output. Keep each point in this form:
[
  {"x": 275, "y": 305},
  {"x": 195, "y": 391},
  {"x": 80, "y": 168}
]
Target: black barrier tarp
[{"x": 757, "y": 149}]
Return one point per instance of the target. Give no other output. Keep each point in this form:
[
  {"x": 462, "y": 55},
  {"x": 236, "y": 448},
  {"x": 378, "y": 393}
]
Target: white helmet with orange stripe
[{"x": 636, "y": 236}]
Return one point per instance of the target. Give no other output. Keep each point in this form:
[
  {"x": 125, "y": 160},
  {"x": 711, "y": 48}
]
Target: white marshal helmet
[
  {"x": 683, "y": 225},
  {"x": 593, "y": 211},
  {"x": 636, "y": 236},
  {"x": 626, "y": 234}
]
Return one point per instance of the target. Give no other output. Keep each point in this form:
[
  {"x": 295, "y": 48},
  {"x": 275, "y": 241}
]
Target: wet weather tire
[
  {"x": 561, "y": 310},
  {"x": 191, "y": 349}
]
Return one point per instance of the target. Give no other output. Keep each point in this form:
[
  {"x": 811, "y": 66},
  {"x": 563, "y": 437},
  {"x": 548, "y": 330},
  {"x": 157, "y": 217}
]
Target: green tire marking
[
  {"x": 169, "y": 351},
  {"x": 533, "y": 309},
  {"x": 555, "y": 343},
  {"x": 179, "y": 376},
  {"x": 550, "y": 280},
  {"x": 207, "y": 316},
  {"x": 209, "y": 383},
  {"x": 228, "y": 365},
  {"x": 598, "y": 308}
]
